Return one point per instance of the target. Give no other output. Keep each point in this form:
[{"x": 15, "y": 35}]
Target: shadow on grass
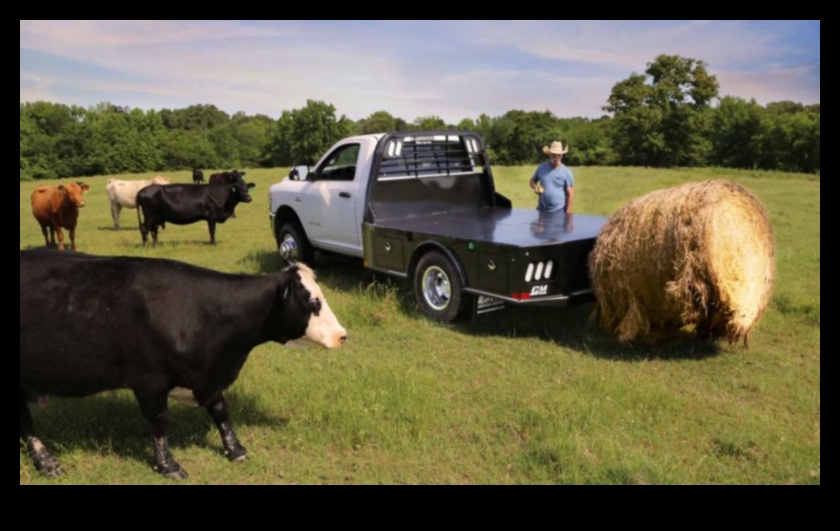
[
  {"x": 573, "y": 328},
  {"x": 123, "y": 228},
  {"x": 111, "y": 423},
  {"x": 567, "y": 327}
]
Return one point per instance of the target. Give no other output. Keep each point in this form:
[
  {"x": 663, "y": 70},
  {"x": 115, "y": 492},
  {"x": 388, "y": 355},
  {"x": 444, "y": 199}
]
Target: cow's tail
[{"x": 139, "y": 217}]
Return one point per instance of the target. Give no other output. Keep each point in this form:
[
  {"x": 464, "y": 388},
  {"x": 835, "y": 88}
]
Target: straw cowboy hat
[{"x": 556, "y": 148}]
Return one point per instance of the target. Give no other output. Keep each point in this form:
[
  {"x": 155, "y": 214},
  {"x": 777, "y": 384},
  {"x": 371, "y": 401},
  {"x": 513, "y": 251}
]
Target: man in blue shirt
[{"x": 553, "y": 181}]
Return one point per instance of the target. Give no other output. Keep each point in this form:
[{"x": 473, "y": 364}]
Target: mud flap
[{"x": 483, "y": 305}]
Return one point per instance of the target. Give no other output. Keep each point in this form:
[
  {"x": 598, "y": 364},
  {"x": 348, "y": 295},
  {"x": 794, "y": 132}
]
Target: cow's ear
[
  {"x": 251, "y": 186},
  {"x": 62, "y": 189},
  {"x": 288, "y": 277},
  {"x": 85, "y": 187}
]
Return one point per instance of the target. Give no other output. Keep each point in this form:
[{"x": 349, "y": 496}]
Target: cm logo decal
[{"x": 536, "y": 291}]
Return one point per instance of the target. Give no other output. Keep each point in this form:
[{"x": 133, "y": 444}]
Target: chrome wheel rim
[
  {"x": 437, "y": 291},
  {"x": 289, "y": 248}
]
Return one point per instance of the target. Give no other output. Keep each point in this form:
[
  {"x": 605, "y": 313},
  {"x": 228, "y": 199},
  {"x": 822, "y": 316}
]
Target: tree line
[{"x": 671, "y": 115}]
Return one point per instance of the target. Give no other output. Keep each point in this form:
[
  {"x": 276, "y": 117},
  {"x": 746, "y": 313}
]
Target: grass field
[{"x": 527, "y": 397}]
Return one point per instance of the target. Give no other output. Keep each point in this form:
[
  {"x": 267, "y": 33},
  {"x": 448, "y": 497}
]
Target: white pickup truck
[{"x": 422, "y": 206}]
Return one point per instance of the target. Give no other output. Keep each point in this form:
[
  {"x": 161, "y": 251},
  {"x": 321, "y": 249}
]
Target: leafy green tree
[
  {"x": 467, "y": 124},
  {"x": 52, "y": 139},
  {"x": 251, "y": 135},
  {"x": 736, "y": 133},
  {"x": 661, "y": 118},
  {"x": 204, "y": 117},
  {"x": 301, "y": 136},
  {"x": 790, "y": 141},
  {"x": 588, "y": 140},
  {"x": 518, "y": 136},
  {"x": 380, "y": 122},
  {"x": 125, "y": 142},
  {"x": 428, "y": 123},
  {"x": 191, "y": 149}
]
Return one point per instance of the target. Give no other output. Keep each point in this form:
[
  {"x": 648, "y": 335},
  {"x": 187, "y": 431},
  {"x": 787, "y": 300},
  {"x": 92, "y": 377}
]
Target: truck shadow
[
  {"x": 111, "y": 423},
  {"x": 566, "y": 327}
]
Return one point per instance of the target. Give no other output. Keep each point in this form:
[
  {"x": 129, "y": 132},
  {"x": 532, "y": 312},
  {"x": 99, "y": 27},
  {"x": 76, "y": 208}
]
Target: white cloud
[{"x": 453, "y": 69}]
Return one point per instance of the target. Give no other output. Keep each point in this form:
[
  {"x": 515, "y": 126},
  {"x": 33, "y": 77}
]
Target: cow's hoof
[
  {"x": 240, "y": 455},
  {"x": 173, "y": 472},
  {"x": 178, "y": 475},
  {"x": 49, "y": 467}
]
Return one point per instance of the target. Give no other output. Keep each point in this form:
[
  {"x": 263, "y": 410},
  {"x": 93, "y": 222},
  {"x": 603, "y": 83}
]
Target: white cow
[{"x": 124, "y": 194}]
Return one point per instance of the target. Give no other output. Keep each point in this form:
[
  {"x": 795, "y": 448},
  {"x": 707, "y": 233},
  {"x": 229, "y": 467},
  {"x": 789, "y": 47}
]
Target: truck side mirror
[{"x": 299, "y": 173}]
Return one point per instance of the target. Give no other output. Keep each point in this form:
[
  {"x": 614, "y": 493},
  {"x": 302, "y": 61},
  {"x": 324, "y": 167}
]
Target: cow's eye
[{"x": 315, "y": 305}]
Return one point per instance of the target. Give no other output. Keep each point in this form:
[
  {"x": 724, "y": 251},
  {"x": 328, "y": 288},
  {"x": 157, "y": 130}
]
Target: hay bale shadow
[{"x": 573, "y": 328}]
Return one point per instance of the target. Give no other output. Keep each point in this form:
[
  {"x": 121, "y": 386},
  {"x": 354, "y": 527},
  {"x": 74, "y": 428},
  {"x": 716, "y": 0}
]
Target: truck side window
[{"x": 341, "y": 164}]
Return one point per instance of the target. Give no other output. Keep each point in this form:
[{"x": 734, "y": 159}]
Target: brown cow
[{"x": 57, "y": 208}]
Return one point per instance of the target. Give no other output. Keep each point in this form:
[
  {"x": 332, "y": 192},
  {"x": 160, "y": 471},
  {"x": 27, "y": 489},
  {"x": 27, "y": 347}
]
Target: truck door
[{"x": 332, "y": 199}]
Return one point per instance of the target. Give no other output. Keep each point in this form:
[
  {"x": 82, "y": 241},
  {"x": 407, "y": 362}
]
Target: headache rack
[
  {"x": 422, "y": 173},
  {"x": 429, "y": 155}
]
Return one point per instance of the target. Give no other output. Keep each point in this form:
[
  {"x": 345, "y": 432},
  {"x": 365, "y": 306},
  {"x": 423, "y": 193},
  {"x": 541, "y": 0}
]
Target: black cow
[
  {"x": 198, "y": 177},
  {"x": 158, "y": 327},
  {"x": 183, "y": 204}
]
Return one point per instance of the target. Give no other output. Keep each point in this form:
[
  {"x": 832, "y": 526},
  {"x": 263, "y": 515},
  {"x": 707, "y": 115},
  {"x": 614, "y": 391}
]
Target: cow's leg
[
  {"x": 115, "y": 213},
  {"x": 154, "y": 408},
  {"x": 219, "y": 412},
  {"x": 60, "y": 238},
  {"x": 73, "y": 239},
  {"x": 212, "y": 226},
  {"x": 46, "y": 237},
  {"x": 52, "y": 237},
  {"x": 44, "y": 462}
]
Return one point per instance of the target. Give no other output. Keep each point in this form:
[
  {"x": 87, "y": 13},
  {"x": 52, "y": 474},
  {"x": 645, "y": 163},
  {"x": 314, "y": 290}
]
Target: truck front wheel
[
  {"x": 293, "y": 245},
  {"x": 438, "y": 288}
]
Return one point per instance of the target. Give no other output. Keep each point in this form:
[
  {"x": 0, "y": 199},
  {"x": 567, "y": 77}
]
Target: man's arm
[
  {"x": 534, "y": 183},
  {"x": 570, "y": 199}
]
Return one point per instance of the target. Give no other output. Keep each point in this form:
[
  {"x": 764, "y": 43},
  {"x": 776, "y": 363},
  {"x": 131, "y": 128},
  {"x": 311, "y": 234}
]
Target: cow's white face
[{"x": 323, "y": 328}]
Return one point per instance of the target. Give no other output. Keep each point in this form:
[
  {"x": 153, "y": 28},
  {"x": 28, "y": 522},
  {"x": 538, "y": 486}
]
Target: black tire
[
  {"x": 293, "y": 245},
  {"x": 439, "y": 289}
]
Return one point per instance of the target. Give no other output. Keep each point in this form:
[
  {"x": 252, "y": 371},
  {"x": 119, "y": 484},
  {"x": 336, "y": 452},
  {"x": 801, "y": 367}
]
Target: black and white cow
[
  {"x": 183, "y": 204},
  {"x": 158, "y": 327}
]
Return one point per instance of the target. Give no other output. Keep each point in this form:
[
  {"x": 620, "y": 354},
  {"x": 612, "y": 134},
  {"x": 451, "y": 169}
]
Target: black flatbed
[{"x": 513, "y": 227}]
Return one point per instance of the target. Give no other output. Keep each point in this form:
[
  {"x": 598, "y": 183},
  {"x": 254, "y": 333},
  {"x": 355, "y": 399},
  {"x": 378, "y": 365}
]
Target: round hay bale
[{"x": 699, "y": 255}]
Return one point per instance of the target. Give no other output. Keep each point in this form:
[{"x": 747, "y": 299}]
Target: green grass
[{"x": 524, "y": 397}]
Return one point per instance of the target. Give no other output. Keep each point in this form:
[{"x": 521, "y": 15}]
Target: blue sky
[{"x": 451, "y": 69}]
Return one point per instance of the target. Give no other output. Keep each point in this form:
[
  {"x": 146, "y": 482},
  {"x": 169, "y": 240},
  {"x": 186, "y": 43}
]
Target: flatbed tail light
[
  {"x": 549, "y": 269},
  {"x": 539, "y": 271},
  {"x": 524, "y": 296}
]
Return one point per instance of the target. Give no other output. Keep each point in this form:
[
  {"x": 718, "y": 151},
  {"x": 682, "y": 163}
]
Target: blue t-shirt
[{"x": 554, "y": 181}]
